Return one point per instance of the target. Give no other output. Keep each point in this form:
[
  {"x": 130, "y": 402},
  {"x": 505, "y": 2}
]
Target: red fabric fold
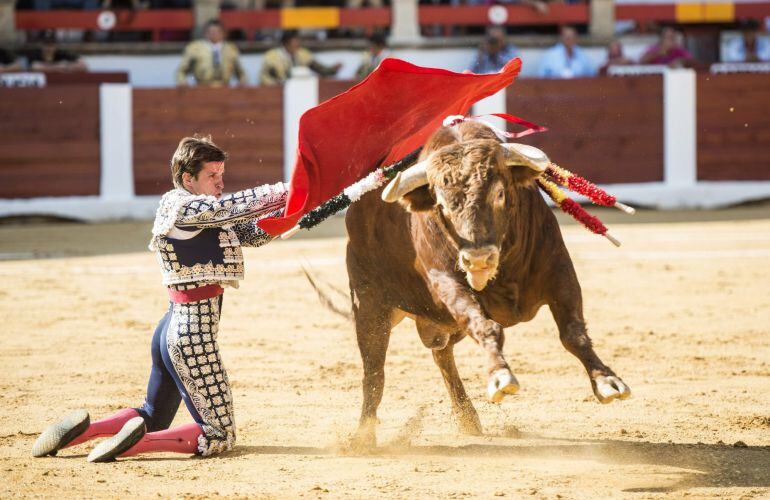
[{"x": 379, "y": 121}]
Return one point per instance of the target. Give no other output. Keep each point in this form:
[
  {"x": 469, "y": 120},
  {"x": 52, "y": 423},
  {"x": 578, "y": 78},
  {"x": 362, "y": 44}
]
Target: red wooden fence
[{"x": 246, "y": 122}]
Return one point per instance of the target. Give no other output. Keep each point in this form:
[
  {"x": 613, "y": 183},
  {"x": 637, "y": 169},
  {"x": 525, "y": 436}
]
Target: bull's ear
[
  {"x": 524, "y": 162},
  {"x": 418, "y": 200},
  {"x": 523, "y": 175}
]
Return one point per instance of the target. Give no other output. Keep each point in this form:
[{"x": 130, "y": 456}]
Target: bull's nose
[{"x": 479, "y": 259}]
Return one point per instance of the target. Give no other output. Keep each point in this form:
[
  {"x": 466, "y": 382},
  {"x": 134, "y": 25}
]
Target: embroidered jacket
[
  {"x": 210, "y": 65},
  {"x": 198, "y": 238}
]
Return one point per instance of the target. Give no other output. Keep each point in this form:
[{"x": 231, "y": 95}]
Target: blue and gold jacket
[{"x": 198, "y": 238}]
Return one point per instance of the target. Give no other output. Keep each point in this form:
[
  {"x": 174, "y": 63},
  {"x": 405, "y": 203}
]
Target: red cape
[{"x": 377, "y": 122}]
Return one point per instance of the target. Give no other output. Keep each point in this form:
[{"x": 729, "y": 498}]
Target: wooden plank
[
  {"x": 330, "y": 88},
  {"x": 50, "y": 141},
  {"x": 246, "y": 122},
  {"x": 733, "y": 113},
  {"x": 609, "y": 130}
]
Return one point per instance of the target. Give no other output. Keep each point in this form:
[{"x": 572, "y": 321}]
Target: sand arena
[{"x": 681, "y": 313}]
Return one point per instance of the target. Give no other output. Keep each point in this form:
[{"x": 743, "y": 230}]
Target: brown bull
[{"x": 471, "y": 248}]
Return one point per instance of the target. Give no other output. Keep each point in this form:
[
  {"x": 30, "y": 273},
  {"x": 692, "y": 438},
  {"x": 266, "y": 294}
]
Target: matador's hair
[{"x": 190, "y": 156}]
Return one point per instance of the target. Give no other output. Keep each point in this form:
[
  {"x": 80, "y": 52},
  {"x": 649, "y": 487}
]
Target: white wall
[{"x": 158, "y": 70}]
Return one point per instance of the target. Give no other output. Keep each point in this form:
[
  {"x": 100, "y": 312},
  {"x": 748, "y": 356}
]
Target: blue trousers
[{"x": 186, "y": 366}]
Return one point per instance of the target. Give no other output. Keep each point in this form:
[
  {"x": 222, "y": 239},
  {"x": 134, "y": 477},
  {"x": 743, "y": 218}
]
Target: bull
[{"x": 470, "y": 248}]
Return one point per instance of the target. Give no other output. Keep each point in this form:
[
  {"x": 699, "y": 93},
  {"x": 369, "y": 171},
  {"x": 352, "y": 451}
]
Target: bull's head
[{"x": 472, "y": 187}]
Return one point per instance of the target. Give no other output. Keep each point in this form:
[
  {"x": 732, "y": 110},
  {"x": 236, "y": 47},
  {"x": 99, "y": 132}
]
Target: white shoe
[
  {"x": 109, "y": 449},
  {"x": 60, "y": 434}
]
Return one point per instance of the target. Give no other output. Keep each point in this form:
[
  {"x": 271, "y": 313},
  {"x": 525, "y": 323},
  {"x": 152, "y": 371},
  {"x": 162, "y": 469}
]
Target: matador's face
[{"x": 209, "y": 181}]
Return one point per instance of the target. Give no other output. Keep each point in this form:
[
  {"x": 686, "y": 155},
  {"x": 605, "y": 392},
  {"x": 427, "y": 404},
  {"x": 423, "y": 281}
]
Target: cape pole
[{"x": 352, "y": 194}]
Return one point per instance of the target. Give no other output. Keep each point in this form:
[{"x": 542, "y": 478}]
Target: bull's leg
[
  {"x": 568, "y": 313},
  {"x": 373, "y": 333},
  {"x": 470, "y": 316},
  {"x": 440, "y": 341},
  {"x": 462, "y": 407}
]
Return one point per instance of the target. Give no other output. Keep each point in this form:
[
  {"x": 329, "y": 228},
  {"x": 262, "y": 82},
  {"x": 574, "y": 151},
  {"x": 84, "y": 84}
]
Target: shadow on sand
[{"x": 715, "y": 465}]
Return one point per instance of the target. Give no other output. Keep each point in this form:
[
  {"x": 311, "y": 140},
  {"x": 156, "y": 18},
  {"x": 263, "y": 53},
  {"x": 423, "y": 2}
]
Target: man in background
[
  {"x": 566, "y": 59},
  {"x": 373, "y": 56},
  {"x": 494, "y": 53},
  {"x": 615, "y": 57},
  {"x": 750, "y": 46},
  {"x": 212, "y": 61},
  {"x": 50, "y": 57},
  {"x": 278, "y": 62},
  {"x": 8, "y": 60}
]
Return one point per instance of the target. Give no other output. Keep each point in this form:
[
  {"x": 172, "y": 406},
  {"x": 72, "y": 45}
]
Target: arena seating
[{"x": 333, "y": 17}]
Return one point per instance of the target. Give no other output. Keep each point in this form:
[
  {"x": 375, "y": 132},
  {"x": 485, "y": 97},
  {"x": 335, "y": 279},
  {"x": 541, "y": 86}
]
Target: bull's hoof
[
  {"x": 470, "y": 425},
  {"x": 363, "y": 444},
  {"x": 609, "y": 388},
  {"x": 501, "y": 383},
  {"x": 364, "y": 440}
]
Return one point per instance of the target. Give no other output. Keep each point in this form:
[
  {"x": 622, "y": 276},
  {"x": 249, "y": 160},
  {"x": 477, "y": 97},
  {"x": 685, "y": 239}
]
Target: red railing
[
  {"x": 155, "y": 20},
  {"x": 693, "y": 12},
  {"x": 517, "y": 15},
  {"x": 158, "y": 20}
]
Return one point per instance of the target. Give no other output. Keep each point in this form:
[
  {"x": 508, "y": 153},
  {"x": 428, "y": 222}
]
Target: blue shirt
[
  {"x": 735, "y": 51},
  {"x": 556, "y": 64},
  {"x": 486, "y": 63}
]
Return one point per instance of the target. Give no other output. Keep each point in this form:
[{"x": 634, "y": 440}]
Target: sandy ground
[{"x": 681, "y": 312}]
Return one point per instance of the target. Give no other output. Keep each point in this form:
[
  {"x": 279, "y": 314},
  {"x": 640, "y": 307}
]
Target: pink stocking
[
  {"x": 106, "y": 427},
  {"x": 182, "y": 439}
]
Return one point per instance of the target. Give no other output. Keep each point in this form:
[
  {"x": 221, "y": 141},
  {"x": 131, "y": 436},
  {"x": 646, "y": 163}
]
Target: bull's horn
[
  {"x": 525, "y": 155},
  {"x": 406, "y": 181}
]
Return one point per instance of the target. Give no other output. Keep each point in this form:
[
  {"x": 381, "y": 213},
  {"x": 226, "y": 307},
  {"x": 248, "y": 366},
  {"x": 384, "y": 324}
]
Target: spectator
[
  {"x": 213, "y": 61},
  {"x": 279, "y": 61},
  {"x": 125, "y": 4},
  {"x": 355, "y": 4},
  {"x": 260, "y": 4},
  {"x": 494, "y": 53},
  {"x": 668, "y": 51},
  {"x": 373, "y": 56},
  {"x": 750, "y": 46},
  {"x": 615, "y": 57},
  {"x": 66, "y": 4},
  {"x": 566, "y": 59},
  {"x": 8, "y": 61},
  {"x": 49, "y": 57}
]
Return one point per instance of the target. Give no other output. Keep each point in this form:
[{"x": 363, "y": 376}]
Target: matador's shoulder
[{"x": 170, "y": 206}]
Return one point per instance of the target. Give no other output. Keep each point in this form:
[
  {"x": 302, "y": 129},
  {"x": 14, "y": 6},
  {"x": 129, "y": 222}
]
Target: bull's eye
[{"x": 500, "y": 198}]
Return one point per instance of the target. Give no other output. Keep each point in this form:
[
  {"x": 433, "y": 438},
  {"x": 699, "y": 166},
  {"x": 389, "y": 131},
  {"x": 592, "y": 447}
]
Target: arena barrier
[{"x": 671, "y": 139}]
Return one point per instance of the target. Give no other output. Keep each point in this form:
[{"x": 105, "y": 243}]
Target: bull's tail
[{"x": 325, "y": 299}]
